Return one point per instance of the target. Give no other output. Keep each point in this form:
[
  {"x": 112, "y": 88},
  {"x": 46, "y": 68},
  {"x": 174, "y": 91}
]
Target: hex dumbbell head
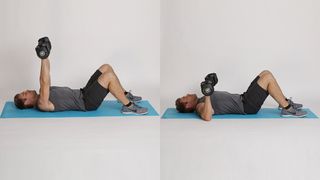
[
  {"x": 43, "y": 48},
  {"x": 206, "y": 88},
  {"x": 212, "y": 77}
]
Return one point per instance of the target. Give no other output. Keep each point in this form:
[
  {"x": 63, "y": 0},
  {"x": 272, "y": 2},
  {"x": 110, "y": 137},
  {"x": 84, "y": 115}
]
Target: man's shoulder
[{"x": 44, "y": 105}]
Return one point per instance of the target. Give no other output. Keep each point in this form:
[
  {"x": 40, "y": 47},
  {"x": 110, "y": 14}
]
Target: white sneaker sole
[
  {"x": 280, "y": 108},
  {"x": 134, "y": 113},
  {"x": 293, "y": 116}
]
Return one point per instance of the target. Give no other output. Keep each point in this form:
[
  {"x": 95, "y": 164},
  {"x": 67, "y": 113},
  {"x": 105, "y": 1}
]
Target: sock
[
  {"x": 289, "y": 106},
  {"x": 129, "y": 104}
]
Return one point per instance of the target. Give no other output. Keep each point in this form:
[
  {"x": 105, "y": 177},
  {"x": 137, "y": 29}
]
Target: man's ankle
[
  {"x": 129, "y": 104},
  {"x": 287, "y": 107}
]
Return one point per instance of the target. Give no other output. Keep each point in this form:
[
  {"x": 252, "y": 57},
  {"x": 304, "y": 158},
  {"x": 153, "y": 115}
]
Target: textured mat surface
[
  {"x": 107, "y": 108},
  {"x": 264, "y": 113}
]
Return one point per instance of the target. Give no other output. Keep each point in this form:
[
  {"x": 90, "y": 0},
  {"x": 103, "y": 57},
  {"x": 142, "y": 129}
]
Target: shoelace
[
  {"x": 291, "y": 102},
  {"x": 133, "y": 97},
  {"x": 135, "y": 107},
  {"x": 130, "y": 94}
]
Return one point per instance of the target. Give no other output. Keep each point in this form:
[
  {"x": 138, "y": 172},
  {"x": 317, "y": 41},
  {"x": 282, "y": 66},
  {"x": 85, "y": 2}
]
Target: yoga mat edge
[
  {"x": 107, "y": 109},
  {"x": 264, "y": 113}
]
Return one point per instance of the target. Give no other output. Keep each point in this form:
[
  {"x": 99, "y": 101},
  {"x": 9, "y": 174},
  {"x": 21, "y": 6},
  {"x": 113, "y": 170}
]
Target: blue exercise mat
[
  {"x": 107, "y": 108},
  {"x": 264, "y": 113}
]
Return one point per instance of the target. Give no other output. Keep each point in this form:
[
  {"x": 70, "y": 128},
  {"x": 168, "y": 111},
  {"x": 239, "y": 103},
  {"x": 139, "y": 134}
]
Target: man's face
[
  {"x": 190, "y": 100},
  {"x": 29, "y": 96}
]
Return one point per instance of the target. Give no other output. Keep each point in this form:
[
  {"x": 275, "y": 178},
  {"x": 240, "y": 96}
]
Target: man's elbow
[
  {"x": 206, "y": 117},
  {"x": 42, "y": 106}
]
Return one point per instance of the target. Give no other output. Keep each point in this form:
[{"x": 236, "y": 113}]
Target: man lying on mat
[
  {"x": 53, "y": 98},
  {"x": 250, "y": 102}
]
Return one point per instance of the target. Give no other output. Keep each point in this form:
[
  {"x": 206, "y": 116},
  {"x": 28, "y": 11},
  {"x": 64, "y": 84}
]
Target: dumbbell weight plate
[
  {"x": 42, "y": 53},
  {"x": 207, "y": 90}
]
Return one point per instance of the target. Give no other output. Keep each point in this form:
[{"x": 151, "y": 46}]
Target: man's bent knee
[
  {"x": 106, "y": 78},
  {"x": 264, "y": 73},
  {"x": 105, "y": 68},
  {"x": 265, "y": 79}
]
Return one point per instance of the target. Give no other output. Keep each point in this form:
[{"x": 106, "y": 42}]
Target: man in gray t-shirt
[
  {"x": 53, "y": 98},
  {"x": 249, "y": 102},
  {"x": 225, "y": 103}
]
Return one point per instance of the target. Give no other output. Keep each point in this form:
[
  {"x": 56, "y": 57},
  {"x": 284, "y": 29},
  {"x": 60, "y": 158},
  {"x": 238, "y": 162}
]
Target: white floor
[
  {"x": 129, "y": 148},
  {"x": 119, "y": 148},
  {"x": 261, "y": 149}
]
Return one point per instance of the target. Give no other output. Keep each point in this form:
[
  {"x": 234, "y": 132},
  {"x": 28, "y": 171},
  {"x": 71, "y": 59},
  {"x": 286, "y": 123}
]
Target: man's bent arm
[
  {"x": 43, "y": 102},
  {"x": 205, "y": 110}
]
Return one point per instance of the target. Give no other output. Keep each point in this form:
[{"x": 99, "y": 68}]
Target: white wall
[
  {"x": 84, "y": 35},
  {"x": 238, "y": 39}
]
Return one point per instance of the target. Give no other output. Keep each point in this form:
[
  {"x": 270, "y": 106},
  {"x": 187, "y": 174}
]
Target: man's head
[
  {"x": 187, "y": 103},
  {"x": 26, "y": 99}
]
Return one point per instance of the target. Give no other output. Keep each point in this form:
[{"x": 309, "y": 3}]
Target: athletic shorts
[
  {"x": 93, "y": 93},
  {"x": 254, "y": 97}
]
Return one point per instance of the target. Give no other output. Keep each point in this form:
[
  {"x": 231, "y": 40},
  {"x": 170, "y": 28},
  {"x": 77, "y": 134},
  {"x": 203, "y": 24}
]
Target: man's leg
[
  {"x": 106, "y": 68},
  {"x": 109, "y": 80},
  {"x": 269, "y": 83}
]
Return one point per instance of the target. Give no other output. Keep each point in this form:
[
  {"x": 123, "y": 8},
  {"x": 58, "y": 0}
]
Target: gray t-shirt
[
  {"x": 64, "y": 98},
  {"x": 225, "y": 103}
]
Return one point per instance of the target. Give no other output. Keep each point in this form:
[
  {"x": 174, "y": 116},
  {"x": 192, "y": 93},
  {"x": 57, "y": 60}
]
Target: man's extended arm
[
  {"x": 43, "y": 102},
  {"x": 204, "y": 109}
]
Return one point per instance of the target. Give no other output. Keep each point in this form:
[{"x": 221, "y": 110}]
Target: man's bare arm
[
  {"x": 204, "y": 109},
  {"x": 43, "y": 102}
]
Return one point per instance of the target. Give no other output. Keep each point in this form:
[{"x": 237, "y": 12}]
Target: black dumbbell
[
  {"x": 212, "y": 77},
  {"x": 43, "y": 48},
  {"x": 207, "y": 88}
]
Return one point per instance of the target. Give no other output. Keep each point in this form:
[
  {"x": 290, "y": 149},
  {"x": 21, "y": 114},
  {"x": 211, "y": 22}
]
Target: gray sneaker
[
  {"x": 293, "y": 104},
  {"x": 133, "y": 98},
  {"x": 291, "y": 112},
  {"x": 134, "y": 109}
]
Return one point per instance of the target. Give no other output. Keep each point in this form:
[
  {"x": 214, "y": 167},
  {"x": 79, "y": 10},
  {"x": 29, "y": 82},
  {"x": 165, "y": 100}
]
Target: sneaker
[
  {"x": 291, "y": 112},
  {"x": 293, "y": 104},
  {"x": 134, "y": 109},
  {"x": 133, "y": 98}
]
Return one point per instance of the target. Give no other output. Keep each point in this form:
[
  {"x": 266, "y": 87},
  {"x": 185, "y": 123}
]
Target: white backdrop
[
  {"x": 238, "y": 39},
  {"x": 84, "y": 35}
]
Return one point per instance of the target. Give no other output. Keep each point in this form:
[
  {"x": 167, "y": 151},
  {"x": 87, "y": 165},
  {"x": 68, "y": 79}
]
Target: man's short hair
[
  {"x": 19, "y": 102},
  {"x": 181, "y": 107}
]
